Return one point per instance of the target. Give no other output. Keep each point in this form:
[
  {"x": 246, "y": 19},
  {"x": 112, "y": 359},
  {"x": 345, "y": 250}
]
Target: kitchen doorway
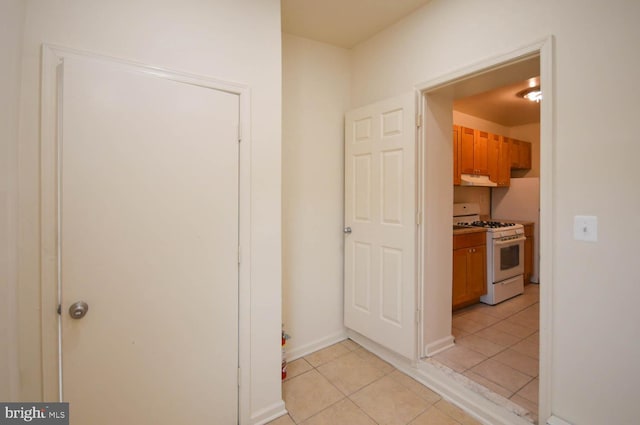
[{"x": 435, "y": 144}]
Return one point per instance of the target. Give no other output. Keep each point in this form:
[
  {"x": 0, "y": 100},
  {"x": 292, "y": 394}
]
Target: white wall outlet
[{"x": 585, "y": 228}]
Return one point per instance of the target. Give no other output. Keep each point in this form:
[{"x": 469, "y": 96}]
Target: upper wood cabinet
[
  {"x": 499, "y": 160},
  {"x": 456, "y": 155},
  {"x": 474, "y": 152},
  {"x": 483, "y": 153},
  {"x": 520, "y": 154}
]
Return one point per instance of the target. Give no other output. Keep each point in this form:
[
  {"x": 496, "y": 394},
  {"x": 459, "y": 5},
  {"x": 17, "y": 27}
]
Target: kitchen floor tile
[
  {"x": 530, "y": 391},
  {"x": 481, "y": 318},
  {"x": 308, "y": 394},
  {"x": 343, "y": 412},
  {"x": 327, "y": 354},
  {"x": 457, "y": 333},
  {"x": 481, "y": 345},
  {"x": 513, "y": 329},
  {"x": 501, "y": 374},
  {"x": 528, "y": 348},
  {"x": 528, "y": 317},
  {"x": 389, "y": 403},
  {"x": 498, "y": 337},
  {"x": 519, "y": 361},
  {"x": 460, "y": 358},
  {"x": 351, "y": 372},
  {"x": 466, "y": 325},
  {"x": 488, "y": 384}
]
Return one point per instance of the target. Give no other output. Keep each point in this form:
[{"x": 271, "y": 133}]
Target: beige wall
[
  {"x": 227, "y": 39},
  {"x": 11, "y": 31},
  {"x": 594, "y": 172},
  {"x": 316, "y": 79}
]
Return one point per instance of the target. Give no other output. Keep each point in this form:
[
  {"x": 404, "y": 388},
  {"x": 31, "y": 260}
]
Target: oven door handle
[{"x": 509, "y": 241}]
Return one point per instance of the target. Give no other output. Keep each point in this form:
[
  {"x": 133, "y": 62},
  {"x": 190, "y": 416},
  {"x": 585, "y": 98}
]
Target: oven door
[{"x": 508, "y": 258}]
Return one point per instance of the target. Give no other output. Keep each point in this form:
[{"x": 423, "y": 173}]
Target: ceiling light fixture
[{"x": 533, "y": 94}]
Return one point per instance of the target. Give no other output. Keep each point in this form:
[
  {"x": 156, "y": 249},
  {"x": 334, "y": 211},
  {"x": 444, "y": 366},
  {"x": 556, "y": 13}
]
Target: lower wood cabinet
[
  {"x": 469, "y": 268},
  {"x": 528, "y": 253}
]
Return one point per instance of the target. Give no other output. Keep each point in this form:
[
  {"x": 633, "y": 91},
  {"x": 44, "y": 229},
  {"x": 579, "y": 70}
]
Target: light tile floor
[
  {"x": 346, "y": 385},
  {"x": 498, "y": 347}
]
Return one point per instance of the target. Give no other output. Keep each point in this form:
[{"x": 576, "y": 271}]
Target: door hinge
[
  {"x": 418, "y": 218},
  {"x": 239, "y": 254},
  {"x": 419, "y": 120},
  {"x": 239, "y": 376},
  {"x": 59, "y": 310},
  {"x": 239, "y": 133},
  {"x": 418, "y": 316}
]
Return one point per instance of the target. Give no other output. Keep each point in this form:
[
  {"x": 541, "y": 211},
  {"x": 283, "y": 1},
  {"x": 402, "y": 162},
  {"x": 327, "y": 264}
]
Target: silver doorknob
[
  {"x": 78, "y": 310},
  {"x": 347, "y": 230}
]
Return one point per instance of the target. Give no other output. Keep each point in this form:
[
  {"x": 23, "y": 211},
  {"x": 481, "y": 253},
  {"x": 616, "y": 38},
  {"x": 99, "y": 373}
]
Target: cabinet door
[
  {"x": 467, "y": 142},
  {"x": 494, "y": 157},
  {"x": 528, "y": 253},
  {"x": 459, "y": 294},
  {"x": 504, "y": 163},
  {"x": 525, "y": 155},
  {"x": 456, "y": 156},
  {"x": 515, "y": 153},
  {"x": 476, "y": 271},
  {"x": 481, "y": 153}
]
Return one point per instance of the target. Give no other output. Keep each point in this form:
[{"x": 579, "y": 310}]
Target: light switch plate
[{"x": 585, "y": 228}]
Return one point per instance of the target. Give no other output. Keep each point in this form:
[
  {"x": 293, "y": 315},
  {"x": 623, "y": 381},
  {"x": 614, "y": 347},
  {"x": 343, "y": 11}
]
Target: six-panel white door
[
  {"x": 148, "y": 213},
  {"x": 380, "y": 210}
]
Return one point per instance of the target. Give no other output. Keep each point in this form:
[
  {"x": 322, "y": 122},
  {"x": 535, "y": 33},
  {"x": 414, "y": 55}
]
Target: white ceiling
[
  {"x": 343, "y": 23},
  {"x": 502, "y": 106}
]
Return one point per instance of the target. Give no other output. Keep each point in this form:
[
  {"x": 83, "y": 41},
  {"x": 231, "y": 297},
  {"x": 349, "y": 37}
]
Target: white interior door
[
  {"x": 148, "y": 210},
  {"x": 380, "y": 209}
]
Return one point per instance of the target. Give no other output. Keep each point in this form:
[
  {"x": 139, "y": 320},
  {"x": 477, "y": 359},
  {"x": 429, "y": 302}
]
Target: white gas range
[{"x": 505, "y": 253}]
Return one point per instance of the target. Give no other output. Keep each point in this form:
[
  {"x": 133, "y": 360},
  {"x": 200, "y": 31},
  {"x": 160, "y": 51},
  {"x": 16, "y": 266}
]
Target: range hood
[{"x": 475, "y": 180}]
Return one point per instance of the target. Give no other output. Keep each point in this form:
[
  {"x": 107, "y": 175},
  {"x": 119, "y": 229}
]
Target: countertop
[{"x": 466, "y": 230}]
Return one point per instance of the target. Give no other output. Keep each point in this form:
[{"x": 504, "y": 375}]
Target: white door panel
[
  {"x": 380, "y": 208},
  {"x": 149, "y": 239}
]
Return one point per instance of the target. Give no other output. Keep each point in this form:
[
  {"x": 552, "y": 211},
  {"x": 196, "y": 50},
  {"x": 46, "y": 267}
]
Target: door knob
[
  {"x": 347, "y": 230},
  {"x": 78, "y": 310}
]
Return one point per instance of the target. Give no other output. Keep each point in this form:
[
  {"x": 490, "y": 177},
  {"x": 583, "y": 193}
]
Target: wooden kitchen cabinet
[
  {"x": 469, "y": 268},
  {"x": 520, "y": 154},
  {"x": 499, "y": 160},
  {"x": 456, "y": 156},
  {"x": 474, "y": 151},
  {"x": 528, "y": 252}
]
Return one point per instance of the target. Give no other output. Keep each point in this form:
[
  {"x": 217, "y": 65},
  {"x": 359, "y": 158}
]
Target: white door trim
[
  {"x": 52, "y": 57},
  {"x": 545, "y": 49}
]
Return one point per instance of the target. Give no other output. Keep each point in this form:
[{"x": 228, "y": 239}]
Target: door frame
[
  {"x": 52, "y": 57},
  {"x": 544, "y": 49}
]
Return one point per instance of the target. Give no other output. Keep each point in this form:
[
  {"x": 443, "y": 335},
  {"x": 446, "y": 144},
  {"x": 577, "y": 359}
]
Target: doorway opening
[{"x": 436, "y": 197}]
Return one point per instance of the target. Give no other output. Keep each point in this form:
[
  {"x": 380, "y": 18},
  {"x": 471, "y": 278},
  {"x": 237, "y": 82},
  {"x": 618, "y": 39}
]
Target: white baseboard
[
  {"x": 554, "y": 420},
  {"x": 455, "y": 391},
  {"x": 297, "y": 352},
  {"x": 268, "y": 414},
  {"x": 437, "y": 346}
]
